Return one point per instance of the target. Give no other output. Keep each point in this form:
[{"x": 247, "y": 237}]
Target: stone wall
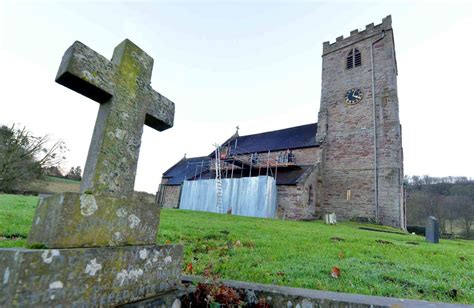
[
  {"x": 88, "y": 277},
  {"x": 298, "y": 202},
  {"x": 168, "y": 196},
  {"x": 280, "y": 296},
  {"x": 349, "y": 170},
  {"x": 305, "y": 156}
]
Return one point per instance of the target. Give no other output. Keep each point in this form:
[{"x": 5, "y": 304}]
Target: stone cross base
[
  {"x": 85, "y": 277},
  {"x": 71, "y": 220}
]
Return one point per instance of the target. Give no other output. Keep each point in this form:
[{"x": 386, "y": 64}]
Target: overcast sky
[{"x": 256, "y": 64}]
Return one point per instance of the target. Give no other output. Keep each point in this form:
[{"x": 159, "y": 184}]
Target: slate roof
[
  {"x": 185, "y": 168},
  {"x": 290, "y": 176},
  {"x": 297, "y": 137},
  {"x": 285, "y": 176}
]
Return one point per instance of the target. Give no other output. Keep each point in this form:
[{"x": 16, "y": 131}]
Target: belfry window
[{"x": 353, "y": 58}]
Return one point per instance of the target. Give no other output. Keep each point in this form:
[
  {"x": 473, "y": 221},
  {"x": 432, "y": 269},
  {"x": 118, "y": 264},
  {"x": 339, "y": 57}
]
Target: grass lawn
[
  {"x": 16, "y": 215},
  {"x": 302, "y": 254}
]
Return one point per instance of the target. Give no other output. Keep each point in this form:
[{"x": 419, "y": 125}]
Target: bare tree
[
  {"x": 450, "y": 199},
  {"x": 23, "y": 156}
]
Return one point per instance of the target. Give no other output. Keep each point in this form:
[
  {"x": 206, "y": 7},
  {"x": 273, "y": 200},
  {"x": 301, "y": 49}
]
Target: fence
[{"x": 251, "y": 196}]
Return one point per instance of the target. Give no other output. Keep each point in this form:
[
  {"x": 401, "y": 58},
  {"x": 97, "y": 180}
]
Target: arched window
[{"x": 353, "y": 58}]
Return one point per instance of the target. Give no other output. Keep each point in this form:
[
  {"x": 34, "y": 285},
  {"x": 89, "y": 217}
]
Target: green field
[
  {"x": 16, "y": 215},
  {"x": 301, "y": 254},
  {"x": 51, "y": 184}
]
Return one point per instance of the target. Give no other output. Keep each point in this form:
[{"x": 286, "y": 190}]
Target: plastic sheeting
[{"x": 252, "y": 196}]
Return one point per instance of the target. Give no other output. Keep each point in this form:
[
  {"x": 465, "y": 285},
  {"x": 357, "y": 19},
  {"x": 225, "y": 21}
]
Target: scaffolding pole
[
  {"x": 232, "y": 171},
  {"x": 186, "y": 172},
  {"x": 276, "y": 172},
  {"x": 268, "y": 161},
  {"x": 202, "y": 166},
  {"x": 251, "y": 162},
  {"x": 195, "y": 172}
]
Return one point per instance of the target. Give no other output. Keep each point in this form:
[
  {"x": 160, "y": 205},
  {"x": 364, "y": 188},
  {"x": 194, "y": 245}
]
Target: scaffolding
[
  {"x": 237, "y": 162},
  {"x": 222, "y": 181}
]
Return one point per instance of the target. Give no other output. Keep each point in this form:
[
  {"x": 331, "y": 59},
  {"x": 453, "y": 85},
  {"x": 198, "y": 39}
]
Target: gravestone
[
  {"x": 432, "y": 230},
  {"x": 330, "y": 219},
  {"x": 98, "y": 247}
]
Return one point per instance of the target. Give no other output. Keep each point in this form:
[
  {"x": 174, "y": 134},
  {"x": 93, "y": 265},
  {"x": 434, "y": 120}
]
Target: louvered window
[
  {"x": 353, "y": 59},
  {"x": 350, "y": 60},
  {"x": 357, "y": 58}
]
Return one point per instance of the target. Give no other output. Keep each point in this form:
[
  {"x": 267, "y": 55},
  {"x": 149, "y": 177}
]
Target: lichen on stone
[
  {"x": 88, "y": 205},
  {"x": 93, "y": 267},
  {"x": 48, "y": 255},
  {"x": 133, "y": 220}
]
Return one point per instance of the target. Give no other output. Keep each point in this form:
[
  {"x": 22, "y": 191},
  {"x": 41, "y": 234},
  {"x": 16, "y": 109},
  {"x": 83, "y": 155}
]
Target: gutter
[{"x": 376, "y": 181}]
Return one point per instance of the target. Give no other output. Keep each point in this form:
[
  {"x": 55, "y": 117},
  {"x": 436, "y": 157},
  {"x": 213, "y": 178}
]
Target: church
[{"x": 349, "y": 163}]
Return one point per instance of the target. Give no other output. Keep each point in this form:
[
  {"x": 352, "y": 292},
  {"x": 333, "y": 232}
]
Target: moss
[
  {"x": 112, "y": 173},
  {"x": 36, "y": 246}
]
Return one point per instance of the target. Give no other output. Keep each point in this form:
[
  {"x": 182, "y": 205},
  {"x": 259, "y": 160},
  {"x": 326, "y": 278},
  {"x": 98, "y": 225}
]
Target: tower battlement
[{"x": 355, "y": 35}]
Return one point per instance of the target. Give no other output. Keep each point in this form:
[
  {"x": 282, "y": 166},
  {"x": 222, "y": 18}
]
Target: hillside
[
  {"x": 449, "y": 199},
  {"x": 52, "y": 185},
  {"x": 300, "y": 254}
]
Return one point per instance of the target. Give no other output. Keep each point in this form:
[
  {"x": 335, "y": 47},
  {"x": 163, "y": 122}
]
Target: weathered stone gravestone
[
  {"x": 432, "y": 230},
  {"x": 99, "y": 245},
  {"x": 330, "y": 219}
]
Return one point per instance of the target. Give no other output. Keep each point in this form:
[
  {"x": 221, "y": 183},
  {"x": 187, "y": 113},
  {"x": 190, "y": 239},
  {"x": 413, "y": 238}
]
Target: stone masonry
[
  {"x": 168, "y": 195},
  {"x": 299, "y": 202},
  {"x": 360, "y": 180},
  {"x": 87, "y": 277}
]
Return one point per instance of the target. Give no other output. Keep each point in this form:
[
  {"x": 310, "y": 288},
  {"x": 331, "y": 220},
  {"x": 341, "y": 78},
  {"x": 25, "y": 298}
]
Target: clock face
[{"x": 353, "y": 96}]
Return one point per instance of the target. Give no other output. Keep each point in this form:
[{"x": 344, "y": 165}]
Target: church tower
[{"x": 359, "y": 128}]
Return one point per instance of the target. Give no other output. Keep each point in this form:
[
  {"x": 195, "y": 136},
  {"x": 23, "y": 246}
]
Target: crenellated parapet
[{"x": 355, "y": 35}]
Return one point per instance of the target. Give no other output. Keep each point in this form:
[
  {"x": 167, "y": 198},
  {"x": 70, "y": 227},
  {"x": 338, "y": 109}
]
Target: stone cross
[
  {"x": 98, "y": 247},
  {"x": 106, "y": 213},
  {"x": 127, "y": 102}
]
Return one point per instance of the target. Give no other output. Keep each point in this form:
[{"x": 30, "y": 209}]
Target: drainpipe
[{"x": 376, "y": 181}]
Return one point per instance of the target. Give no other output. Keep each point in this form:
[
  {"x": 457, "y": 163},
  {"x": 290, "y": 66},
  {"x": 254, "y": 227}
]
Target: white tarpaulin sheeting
[{"x": 252, "y": 196}]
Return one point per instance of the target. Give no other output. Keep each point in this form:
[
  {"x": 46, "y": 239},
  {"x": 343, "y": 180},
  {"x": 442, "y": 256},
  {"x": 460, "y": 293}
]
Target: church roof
[
  {"x": 297, "y": 137},
  {"x": 188, "y": 168},
  {"x": 290, "y": 176},
  {"x": 185, "y": 169},
  {"x": 303, "y": 136}
]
